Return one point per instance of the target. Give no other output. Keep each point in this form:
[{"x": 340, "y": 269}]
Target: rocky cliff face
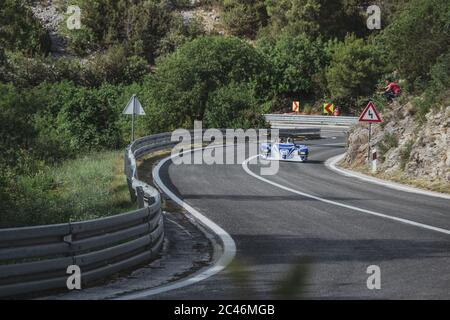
[{"x": 413, "y": 151}]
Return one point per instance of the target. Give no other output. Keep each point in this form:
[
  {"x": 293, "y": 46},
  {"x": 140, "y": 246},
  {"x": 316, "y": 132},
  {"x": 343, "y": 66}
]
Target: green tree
[
  {"x": 326, "y": 18},
  {"x": 20, "y": 30},
  {"x": 114, "y": 66},
  {"x": 88, "y": 119},
  {"x": 139, "y": 25},
  {"x": 244, "y": 18},
  {"x": 16, "y": 133},
  {"x": 295, "y": 60},
  {"x": 417, "y": 37},
  {"x": 184, "y": 80},
  {"x": 354, "y": 70},
  {"x": 234, "y": 106}
]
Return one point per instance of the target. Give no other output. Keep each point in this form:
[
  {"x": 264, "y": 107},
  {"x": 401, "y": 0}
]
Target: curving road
[{"x": 337, "y": 241}]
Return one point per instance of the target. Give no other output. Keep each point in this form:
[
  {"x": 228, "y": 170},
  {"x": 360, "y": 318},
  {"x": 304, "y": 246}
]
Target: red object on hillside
[
  {"x": 394, "y": 87},
  {"x": 337, "y": 112}
]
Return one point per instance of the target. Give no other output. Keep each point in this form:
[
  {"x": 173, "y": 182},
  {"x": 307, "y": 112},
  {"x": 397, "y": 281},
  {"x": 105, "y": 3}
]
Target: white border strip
[
  {"x": 332, "y": 165},
  {"x": 377, "y": 214},
  {"x": 229, "y": 246}
]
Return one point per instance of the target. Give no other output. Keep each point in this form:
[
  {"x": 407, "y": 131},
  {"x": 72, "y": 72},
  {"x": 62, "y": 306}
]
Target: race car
[{"x": 284, "y": 152}]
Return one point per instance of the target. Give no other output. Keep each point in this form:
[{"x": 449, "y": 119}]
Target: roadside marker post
[
  {"x": 328, "y": 108},
  {"x": 370, "y": 115},
  {"x": 134, "y": 108},
  {"x": 374, "y": 160},
  {"x": 296, "y": 106}
]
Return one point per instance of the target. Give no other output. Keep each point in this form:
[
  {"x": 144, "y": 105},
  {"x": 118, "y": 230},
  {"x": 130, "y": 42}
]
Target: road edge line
[
  {"x": 207, "y": 226},
  {"x": 332, "y": 165}
]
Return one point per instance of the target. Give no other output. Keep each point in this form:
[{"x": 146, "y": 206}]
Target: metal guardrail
[
  {"x": 279, "y": 121},
  {"x": 35, "y": 259}
]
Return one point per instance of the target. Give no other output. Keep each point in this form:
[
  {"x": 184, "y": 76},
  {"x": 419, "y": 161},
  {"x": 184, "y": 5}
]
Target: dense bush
[
  {"x": 139, "y": 25},
  {"x": 184, "y": 81},
  {"x": 328, "y": 18},
  {"x": 88, "y": 118},
  {"x": 234, "y": 106},
  {"x": 16, "y": 133},
  {"x": 354, "y": 69},
  {"x": 294, "y": 61},
  {"x": 437, "y": 92},
  {"x": 244, "y": 18},
  {"x": 20, "y": 30},
  {"x": 113, "y": 66},
  {"x": 53, "y": 122},
  {"x": 417, "y": 37}
]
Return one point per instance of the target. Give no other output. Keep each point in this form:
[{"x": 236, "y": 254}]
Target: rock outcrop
[{"x": 416, "y": 151}]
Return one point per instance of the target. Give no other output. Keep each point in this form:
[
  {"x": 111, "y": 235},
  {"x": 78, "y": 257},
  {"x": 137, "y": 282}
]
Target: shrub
[
  {"x": 180, "y": 33},
  {"x": 244, "y": 18},
  {"x": 326, "y": 18},
  {"x": 139, "y": 25},
  {"x": 437, "y": 92},
  {"x": 354, "y": 70},
  {"x": 88, "y": 118},
  {"x": 234, "y": 106},
  {"x": 184, "y": 80},
  {"x": 295, "y": 60},
  {"x": 20, "y": 30},
  {"x": 417, "y": 37},
  {"x": 16, "y": 133},
  {"x": 115, "y": 67},
  {"x": 25, "y": 71}
]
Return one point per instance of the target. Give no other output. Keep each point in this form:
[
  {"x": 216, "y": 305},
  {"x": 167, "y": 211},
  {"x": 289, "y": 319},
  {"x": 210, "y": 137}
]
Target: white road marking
[
  {"x": 229, "y": 246},
  {"x": 331, "y": 164},
  {"x": 377, "y": 214}
]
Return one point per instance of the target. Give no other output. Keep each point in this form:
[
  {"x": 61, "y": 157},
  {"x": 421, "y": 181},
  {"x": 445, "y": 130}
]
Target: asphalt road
[{"x": 275, "y": 229}]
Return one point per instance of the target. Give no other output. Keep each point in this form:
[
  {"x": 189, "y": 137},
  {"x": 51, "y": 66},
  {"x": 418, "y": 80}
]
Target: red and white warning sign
[
  {"x": 370, "y": 114},
  {"x": 296, "y": 106}
]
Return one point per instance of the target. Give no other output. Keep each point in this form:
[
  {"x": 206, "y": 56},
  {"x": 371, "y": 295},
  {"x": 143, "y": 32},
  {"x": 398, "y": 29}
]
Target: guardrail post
[
  {"x": 140, "y": 197},
  {"x": 131, "y": 190}
]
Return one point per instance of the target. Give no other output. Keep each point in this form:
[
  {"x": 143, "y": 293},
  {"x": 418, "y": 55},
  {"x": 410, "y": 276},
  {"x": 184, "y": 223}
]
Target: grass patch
[{"x": 89, "y": 187}]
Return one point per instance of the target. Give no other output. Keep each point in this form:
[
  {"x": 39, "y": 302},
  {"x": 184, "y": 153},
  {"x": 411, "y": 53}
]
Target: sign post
[
  {"x": 370, "y": 115},
  {"x": 134, "y": 108}
]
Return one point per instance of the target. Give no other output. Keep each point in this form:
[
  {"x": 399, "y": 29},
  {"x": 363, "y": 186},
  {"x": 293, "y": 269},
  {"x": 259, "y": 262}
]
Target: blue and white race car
[{"x": 284, "y": 152}]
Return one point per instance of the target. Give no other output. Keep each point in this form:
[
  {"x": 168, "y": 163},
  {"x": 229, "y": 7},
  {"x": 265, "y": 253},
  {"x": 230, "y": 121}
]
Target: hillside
[{"x": 409, "y": 152}]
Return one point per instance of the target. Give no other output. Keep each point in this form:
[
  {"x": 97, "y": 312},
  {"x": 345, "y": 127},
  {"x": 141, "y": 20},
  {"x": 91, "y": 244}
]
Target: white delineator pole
[{"x": 374, "y": 160}]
